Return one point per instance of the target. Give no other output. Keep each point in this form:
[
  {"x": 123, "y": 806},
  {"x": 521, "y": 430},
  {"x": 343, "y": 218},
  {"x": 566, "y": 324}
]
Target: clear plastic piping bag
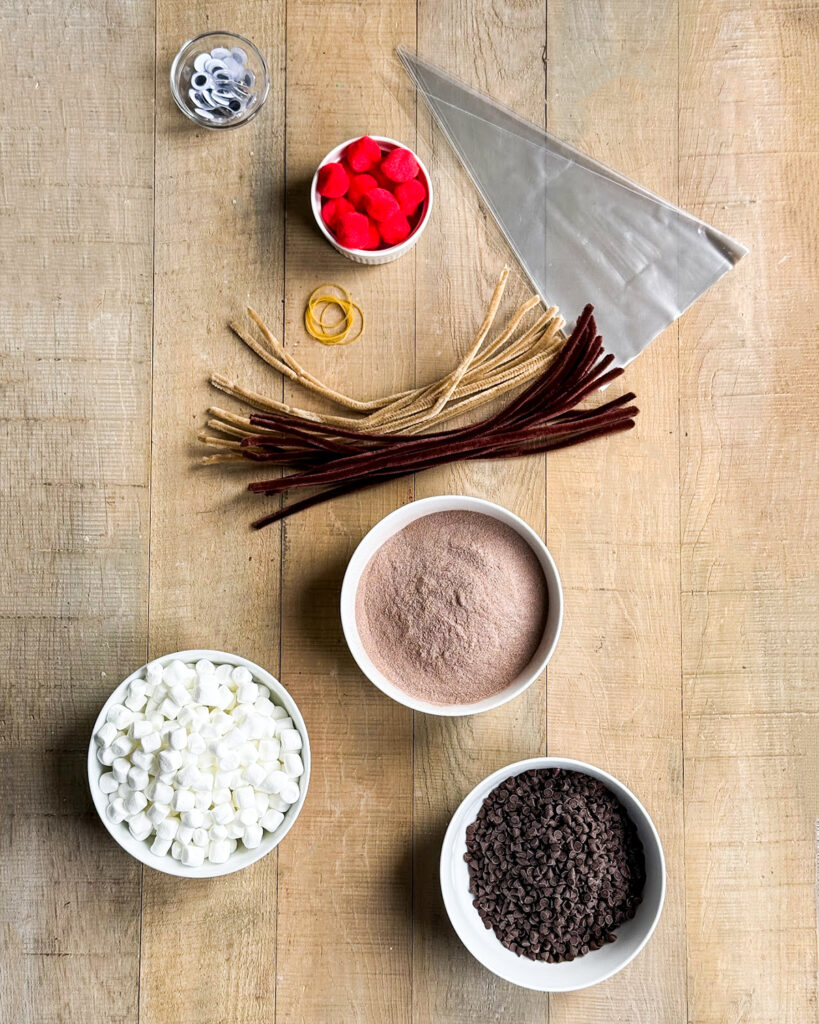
[{"x": 581, "y": 232}]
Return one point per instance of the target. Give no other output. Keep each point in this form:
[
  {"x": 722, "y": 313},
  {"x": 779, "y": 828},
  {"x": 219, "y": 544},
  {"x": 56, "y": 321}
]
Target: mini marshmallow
[
  {"x": 135, "y": 802},
  {"x": 193, "y": 856},
  {"x": 278, "y": 713},
  {"x": 139, "y": 728},
  {"x": 230, "y": 762},
  {"x": 167, "y": 828},
  {"x": 179, "y": 695},
  {"x": 248, "y": 753},
  {"x": 120, "y": 768},
  {"x": 269, "y": 750},
  {"x": 290, "y": 739},
  {"x": 293, "y": 765},
  {"x": 223, "y": 814},
  {"x": 124, "y": 790},
  {"x": 264, "y": 707},
  {"x": 122, "y": 746},
  {"x": 217, "y": 832},
  {"x": 188, "y": 775},
  {"x": 160, "y": 792},
  {"x": 247, "y": 816},
  {"x": 153, "y": 672},
  {"x": 253, "y": 774},
  {"x": 203, "y": 783},
  {"x": 119, "y": 716},
  {"x": 137, "y": 777},
  {"x": 176, "y": 672},
  {"x": 205, "y": 667},
  {"x": 176, "y": 850},
  {"x": 247, "y": 693},
  {"x": 222, "y": 674},
  {"x": 196, "y": 743},
  {"x": 203, "y": 800},
  {"x": 200, "y": 837},
  {"x": 252, "y": 837},
  {"x": 277, "y": 804},
  {"x": 234, "y": 830},
  {"x": 290, "y": 791},
  {"x": 138, "y": 687},
  {"x": 221, "y": 795},
  {"x": 108, "y": 783},
  {"x": 142, "y": 760},
  {"x": 271, "y": 820},
  {"x": 169, "y": 778},
  {"x": 206, "y": 691},
  {"x": 140, "y": 826},
  {"x": 219, "y": 851},
  {"x": 183, "y": 800},
  {"x": 274, "y": 782},
  {"x": 262, "y": 803},
  {"x": 169, "y": 760},
  {"x": 224, "y": 698},
  {"x": 178, "y": 738},
  {"x": 115, "y": 812},
  {"x": 187, "y": 716},
  {"x": 157, "y": 813},
  {"x": 192, "y": 818},
  {"x": 184, "y": 834},
  {"x": 168, "y": 708},
  {"x": 282, "y": 724},
  {"x": 257, "y": 727},
  {"x": 151, "y": 743},
  {"x": 222, "y": 722},
  {"x": 160, "y": 846},
  {"x": 106, "y": 734},
  {"x": 241, "y": 676},
  {"x": 106, "y": 756},
  {"x": 136, "y": 702},
  {"x": 244, "y": 797}
]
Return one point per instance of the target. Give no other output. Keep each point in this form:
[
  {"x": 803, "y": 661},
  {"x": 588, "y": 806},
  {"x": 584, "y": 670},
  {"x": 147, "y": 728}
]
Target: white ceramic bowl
[
  {"x": 372, "y": 257},
  {"x": 241, "y": 858},
  {"x": 391, "y": 525},
  {"x": 482, "y": 943}
]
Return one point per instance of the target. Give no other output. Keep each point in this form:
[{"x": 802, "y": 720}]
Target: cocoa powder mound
[{"x": 453, "y": 607}]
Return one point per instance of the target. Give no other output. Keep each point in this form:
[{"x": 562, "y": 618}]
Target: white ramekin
[
  {"x": 391, "y": 525},
  {"x": 482, "y": 942},
  {"x": 241, "y": 858},
  {"x": 371, "y": 257}
]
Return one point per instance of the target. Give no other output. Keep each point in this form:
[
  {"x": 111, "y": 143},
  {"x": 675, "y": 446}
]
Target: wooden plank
[
  {"x": 614, "y": 696},
  {"x": 209, "y": 947},
  {"x": 748, "y": 121},
  {"x": 345, "y": 871},
  {"x": 459, "y": 260},
  {"x": 75, "y": 294}
]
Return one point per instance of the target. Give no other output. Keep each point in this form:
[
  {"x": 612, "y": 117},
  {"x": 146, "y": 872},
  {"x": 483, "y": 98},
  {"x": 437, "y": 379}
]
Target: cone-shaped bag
[{"x": 582, "y": 232}]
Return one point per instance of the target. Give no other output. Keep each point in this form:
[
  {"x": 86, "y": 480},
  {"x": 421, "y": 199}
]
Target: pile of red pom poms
[{"x": 371, "y": 199}]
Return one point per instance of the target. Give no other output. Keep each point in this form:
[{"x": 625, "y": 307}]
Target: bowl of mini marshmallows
[
  {"x": 553, "y": 874},
  {"x": 199, "y": 763}
]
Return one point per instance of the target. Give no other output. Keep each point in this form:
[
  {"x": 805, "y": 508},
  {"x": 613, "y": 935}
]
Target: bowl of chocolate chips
[{"x": 553, "y": 874}]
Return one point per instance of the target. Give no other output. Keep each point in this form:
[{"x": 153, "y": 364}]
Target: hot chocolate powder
[{"x": 452, "y": 608}]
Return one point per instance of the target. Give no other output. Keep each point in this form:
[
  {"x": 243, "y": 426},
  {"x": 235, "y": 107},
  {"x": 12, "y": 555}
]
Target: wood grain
[
  {"x": 344, "y": 883},
  {"x": 688, "y": 548},
  {"x": 613, "y": 505},
  {"x": 458, "y": 262},
  {"x": 209, "y": 947},
  {"x": 75, "y": 295},
  {"x": 748, "y": 155}
]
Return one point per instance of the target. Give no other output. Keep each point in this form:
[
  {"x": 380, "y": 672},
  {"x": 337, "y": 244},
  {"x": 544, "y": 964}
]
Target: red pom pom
[
  {"x": 333, "y": 209},
  {"x": 410, "y": 194},
  {"x": 374, "y": 239},
  {"x": 352, "y": 230},
  {"x": 400, "y": 165},
  {"x": 394, "y": 229},
  {"x": 360, "y": 185},
  {"x": 333, "y": 181},
  {"x": 381, "y": 204},
  {"x": 363, "y": 154}
]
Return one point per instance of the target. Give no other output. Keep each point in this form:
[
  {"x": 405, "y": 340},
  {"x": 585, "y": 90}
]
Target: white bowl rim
[
  {"x": 457, "y": 824},
  {"x": 239, "y": 860},
  {"x": 392, "y": 524},
  {"x": 393, "y": 250}
]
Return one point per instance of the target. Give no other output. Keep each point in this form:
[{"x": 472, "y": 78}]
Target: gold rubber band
[{"x": 335, "y": 332}]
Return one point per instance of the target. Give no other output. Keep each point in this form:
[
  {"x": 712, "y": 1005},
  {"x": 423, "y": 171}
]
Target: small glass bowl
[{"x": 183, "y": 71}]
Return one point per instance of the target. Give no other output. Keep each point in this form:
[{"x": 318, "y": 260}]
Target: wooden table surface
[{"x": 688, "y": 548}]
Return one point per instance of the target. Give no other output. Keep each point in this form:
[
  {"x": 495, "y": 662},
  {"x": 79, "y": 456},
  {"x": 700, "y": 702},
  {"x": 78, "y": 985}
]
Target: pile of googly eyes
[{"x": 221, "y": 88}]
